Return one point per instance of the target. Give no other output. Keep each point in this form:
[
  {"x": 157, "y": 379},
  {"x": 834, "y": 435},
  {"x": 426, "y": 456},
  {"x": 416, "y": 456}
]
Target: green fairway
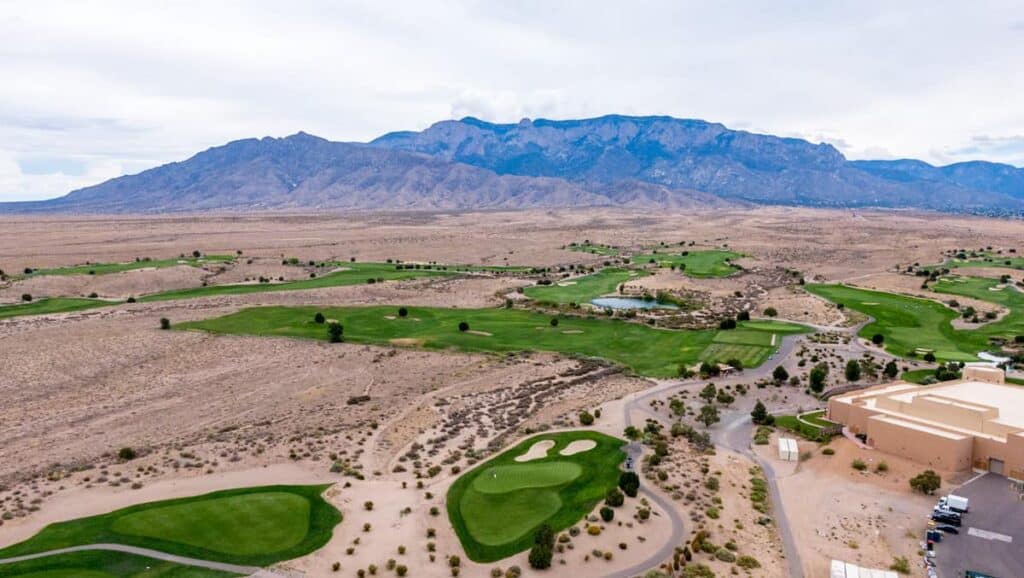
[
  {"x": 644, "y": 349},
  {"x": 983, "y": 259},
  {"x": 991, "y": 290},
  {"x": 909, "y": 325},
  {"x": 595, "y": 249},
  {"x": 52, "y": 305},
  {"x": 582, "y": 289},
  {"x": 107, "y": 268},
  {"x": 701, "y": 264},
  {"x": 496, "y": 507},
  {"x": 348, "y": 274},
  {"x": 101, "y": 564},
  {"x": 252, "y": 526}
]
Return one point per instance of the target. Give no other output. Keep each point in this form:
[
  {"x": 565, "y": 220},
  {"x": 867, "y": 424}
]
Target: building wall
[{"x": 921, "y": 446}]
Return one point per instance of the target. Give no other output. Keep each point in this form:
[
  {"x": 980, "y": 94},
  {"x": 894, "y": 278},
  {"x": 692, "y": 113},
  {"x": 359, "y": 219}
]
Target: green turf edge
[
  {"x": 596, "y": 485},
  {"x": 51, "y": 305},
  {"x": 107, "y": 564},
  {"x": 323, "y": 517}
]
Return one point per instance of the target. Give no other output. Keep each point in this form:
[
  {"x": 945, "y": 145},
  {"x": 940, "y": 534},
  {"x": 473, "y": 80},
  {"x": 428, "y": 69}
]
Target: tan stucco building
[{"x": 976, "y": 422}]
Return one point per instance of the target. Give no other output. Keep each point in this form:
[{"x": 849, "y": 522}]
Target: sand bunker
[
  {"x": 483, "y": 333},
  {"x": 578, "y": 447},
  {"x": 390, "y": 317},
  {"x": 566, "y": 283},
  {"x": 572, "y": 331},
  {"x": 870, "y": 303},
  {"x": 537, "y": 451},
  {"x": 410, "y": 341}
]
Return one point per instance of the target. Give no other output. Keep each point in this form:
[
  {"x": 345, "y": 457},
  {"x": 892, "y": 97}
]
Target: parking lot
[{"x": 991, "y": 540}]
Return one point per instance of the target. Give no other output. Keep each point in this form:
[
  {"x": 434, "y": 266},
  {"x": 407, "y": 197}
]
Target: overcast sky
[{"x": 92, "y": 90}]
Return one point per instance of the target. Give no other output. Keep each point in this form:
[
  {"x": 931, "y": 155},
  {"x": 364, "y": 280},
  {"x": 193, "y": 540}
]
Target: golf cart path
[{"x": 155, "y": 554}]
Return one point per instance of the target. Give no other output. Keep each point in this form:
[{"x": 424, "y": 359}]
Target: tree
[
  {"x": 727, "y": 324},
  {"x": 403, "y": 312},
  {"x": 770, "y": 311},
  {"x": 165, "y": 323},
  {"x": 890, "y": 370},
  {"x": 852, "y": 370},
  {"x": 709, "y": 370},
  {"x": 586, "y": 418},
  {"x": 877, "y": 338},
  {"x": 319, "y": 318},
  {"x": 780, "y": 374},
  {"x": 631, "y": 432},
  {"x": 708, "y": 393},
  {"x": 629, "y": 482},
  {"x": 709, "y": 415},
  {"x": 926, "y": 482},
  {"x": 929, "y": 357},
  {"x": 540, "y": 557},
  {"x": 677, "y": 407},
  {"x": 463, "y": 326},
  {"x": 817, "y": 377},
  {"x": 607, "y": 514},
  {"x": 554, "y": 322},
  {"x": 126, "y": 454},
  {"x": 26, "y": 297},
  {"x": 759, "y": 414},
  {"x": 614, "y": 498},
  {"x": 725, "y": 398},
  {"x": 743, "y": 316},
  {"x": 335, "y": 332},
  {"x": 735, "y": 364}
]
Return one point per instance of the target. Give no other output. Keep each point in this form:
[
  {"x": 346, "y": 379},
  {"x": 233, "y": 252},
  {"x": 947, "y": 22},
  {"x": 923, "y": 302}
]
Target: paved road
[{"x": 155, "y": 554}]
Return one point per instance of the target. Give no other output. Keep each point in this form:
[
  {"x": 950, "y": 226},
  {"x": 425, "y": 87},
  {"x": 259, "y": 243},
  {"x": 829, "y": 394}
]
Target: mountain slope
[
  {"x": 308, "y": 172},
  {"x": 694, "y": 154}
]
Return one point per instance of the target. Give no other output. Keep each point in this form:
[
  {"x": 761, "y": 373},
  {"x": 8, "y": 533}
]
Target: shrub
[
  {"x": 780, "y": 374},
  {"x": 319, "y": 317},
  {"x": 725, "y": 555},
  {"x": 926, "y": 482},
  {"x": 770, "y": 311},
  {"x": 607, "y": 514},
  {"x": 859, "y": 465},
  {"x": 713, "y": 513},
  {"x": 126, "y": 454},
  {"x": 554, "y": 322},
  {"x": 540, "y": 556},
  {"x": 401, "y": 570},
  {"x": 900, "y": 564},
  {"x": 594, "y": 530},
  {"x": 629, "y": 482},
  {"x": 513, "y": 572},
  {"x": 131, "y": 300},
  {"x": 586, "y": 418},
  {"x": 165, "y": 323},
  {"x": 877, "y": 338},
  {"x": 368, "y": 506},
  {"x": 614, "y": 498},
  {"x": 711, "y": 483},
  {"x": 26, "y": 297},
  {"x": 454, "y": 561},
  {"x": 882, "y": 467},
  {"x": 852, "y": 370},
  {"x": 748, "y": 562},
  {"x": 463, "y": 326},
  {"x": 403, "y": 312},
  {"x": 335, "y": 332},
  {"x": 828, "y": 452}
]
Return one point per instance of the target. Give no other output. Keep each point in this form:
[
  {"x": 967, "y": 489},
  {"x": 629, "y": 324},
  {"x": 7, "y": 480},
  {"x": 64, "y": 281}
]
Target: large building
[{"x": 976, "y": 422}]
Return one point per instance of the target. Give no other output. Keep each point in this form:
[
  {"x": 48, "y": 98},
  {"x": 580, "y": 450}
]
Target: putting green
[
  {"x": 644, "y": 349},
  {"x": 260, "y": 523},
  {"x": 252, "y": 526},
  {"x": 504, "y": 479},
  {"x": 582, "y": 289},
  {"x": 496, "y": 507}
]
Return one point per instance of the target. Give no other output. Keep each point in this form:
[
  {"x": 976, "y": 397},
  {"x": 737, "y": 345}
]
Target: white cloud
[{"x": 128, "y": 84}]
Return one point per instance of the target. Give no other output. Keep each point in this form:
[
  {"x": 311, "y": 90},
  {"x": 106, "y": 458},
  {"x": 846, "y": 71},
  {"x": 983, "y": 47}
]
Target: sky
[{"x": 95, "y": 89}]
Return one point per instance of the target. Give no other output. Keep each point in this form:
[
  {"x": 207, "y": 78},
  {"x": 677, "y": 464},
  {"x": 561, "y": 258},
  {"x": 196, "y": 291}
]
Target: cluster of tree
[
  {"x": 543, "y": 548},
  {"x": 926, "y": 482}
]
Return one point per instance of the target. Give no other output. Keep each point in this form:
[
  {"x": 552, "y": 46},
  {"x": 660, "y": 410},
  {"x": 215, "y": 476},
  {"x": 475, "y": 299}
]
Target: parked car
[
  {"x": 945, "y": 511},
  {"x": 947, "y": 519},
  {"x": 947, "y": 529}
]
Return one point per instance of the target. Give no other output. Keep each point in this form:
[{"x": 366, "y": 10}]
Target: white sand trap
[
  {"x": 566, "y": 283},
  {"x": 537, "y": 451},
  {"x": 997, "y": 288},
  {"x": 390, "y": 317},
  {"x": 573, "y": 331},
  {"x": 340, "y": 269},
  {"x": 870, "y": 303},
  {"x": 331, "y": 320},
  {"x": 578, "y": 447},
  {"x": 773, "y": 339},
  {"x": 482, "y": 333}
]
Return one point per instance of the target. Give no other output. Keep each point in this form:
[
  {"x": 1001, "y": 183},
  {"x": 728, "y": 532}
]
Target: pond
[{"x": 630, "y": 303}]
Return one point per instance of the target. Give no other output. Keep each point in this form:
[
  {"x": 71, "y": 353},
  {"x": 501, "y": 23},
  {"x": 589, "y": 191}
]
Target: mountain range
[{"x": 652, "y": 162}]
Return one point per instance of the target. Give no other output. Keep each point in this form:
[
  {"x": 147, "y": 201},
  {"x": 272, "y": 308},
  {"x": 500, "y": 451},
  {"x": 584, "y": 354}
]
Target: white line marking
[{"x": 985, "y": 534}]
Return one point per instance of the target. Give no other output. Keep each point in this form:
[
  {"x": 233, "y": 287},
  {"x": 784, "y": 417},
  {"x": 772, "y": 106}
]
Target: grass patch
[
  {"x": 50, "y": 305},
  {"x": 595, "y": 249},
  {"x": 817, "y": 418},
  {"x": 701, "y": 264},
  {"x": 496, "y": 507},
  {"x": 108, "y": 268},
  {"x": 907, "y": 323},
  {"x": 804, "y": 430},
  {"x": 643, "y": 349},
  {"x": 98, "y": 564},
  {"x": 252, "y": 526},
  {"x": 581, "y": 289},
  {"x": 1011, "y": 325}
]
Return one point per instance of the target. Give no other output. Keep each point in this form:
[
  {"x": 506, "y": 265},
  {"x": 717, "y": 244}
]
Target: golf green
[
  {"x": 701, "y": 264},
  {"x": 104, "y": 564},
  {"x": 644, "y": 349},
  {"x": 253, "y": 526},
  {"x": 496, "y": 507}
]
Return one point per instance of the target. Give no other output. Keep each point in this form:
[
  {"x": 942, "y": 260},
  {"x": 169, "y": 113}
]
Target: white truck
[{"x": 955, "y": 503}]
